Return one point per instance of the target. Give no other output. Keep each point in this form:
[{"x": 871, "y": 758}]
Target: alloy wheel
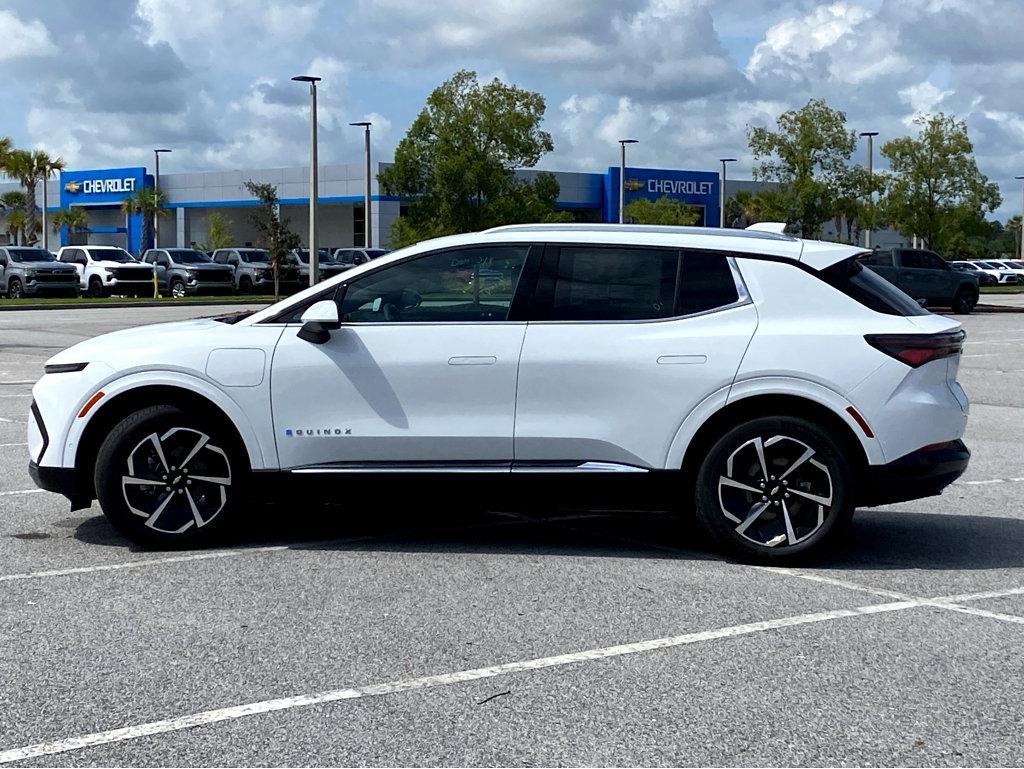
[
  {"x": 775, "y": 491},
  {"x": 176, "y": 480},
  {"x": 177, "y": 289},
  {"x": 15, "y": 289}
]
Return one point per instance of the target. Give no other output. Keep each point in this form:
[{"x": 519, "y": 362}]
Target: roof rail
[
  {"x": 779, "y": 228},
  {"x": 664, "y": 229}
]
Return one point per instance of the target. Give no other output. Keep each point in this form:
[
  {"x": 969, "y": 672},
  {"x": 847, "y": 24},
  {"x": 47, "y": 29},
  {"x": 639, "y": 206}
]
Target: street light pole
[
  {"x": 367, "y": 225},
  {"x": 871, "y": 176},
  {"x": 622, "y": 177},
  {"x": 156, "y": 187},
  {"x": 1021, "y": 178},
  {"x": 314, "y": 254},
  {"x": 721, "y": 192}
]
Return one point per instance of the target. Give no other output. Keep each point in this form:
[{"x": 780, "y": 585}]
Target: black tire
[
  {"x": 965, "y": 300},
  {"x": 158, "y": 512},
  {"x": 177, "y": 289},
  {"x": 14, "y": 289},
  {"x": 766, "y": 537},
  {"x": 96, "y": 289},
  {"x": 245, "y": 285}
]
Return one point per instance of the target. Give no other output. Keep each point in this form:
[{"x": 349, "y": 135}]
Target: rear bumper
[
  {"x": 922, "y": 473},
  {"x": 61, "y": 480}
]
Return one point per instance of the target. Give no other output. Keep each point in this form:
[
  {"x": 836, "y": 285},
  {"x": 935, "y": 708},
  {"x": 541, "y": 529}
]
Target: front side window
[
  {"x": 463, "y": 285},
  {"x": 597, "y": 283},
  {"x": 913, "y": 259},
  {"x": 877, "y": 259}
]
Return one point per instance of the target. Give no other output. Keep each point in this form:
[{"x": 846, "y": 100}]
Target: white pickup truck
[{"x": 108, "y": 270}]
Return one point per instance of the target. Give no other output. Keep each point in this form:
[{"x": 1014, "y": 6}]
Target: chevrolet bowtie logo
[
  {"x": 72, "y": 187},
  {"x": 633, "y": 185}
]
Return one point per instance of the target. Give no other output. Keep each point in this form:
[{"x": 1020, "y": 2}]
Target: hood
[
  {"x": 61, "y": 266},
  {"x": 143, "y": 345}
]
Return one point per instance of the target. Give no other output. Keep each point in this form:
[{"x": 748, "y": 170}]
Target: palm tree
[
  {"x": 742, "y": 209},
  {"x": 74, "y": 218},
  {"x": 149, "y": 203},
  {"x": 12, "y": 203},
  {"x": 30, "y": 168}
]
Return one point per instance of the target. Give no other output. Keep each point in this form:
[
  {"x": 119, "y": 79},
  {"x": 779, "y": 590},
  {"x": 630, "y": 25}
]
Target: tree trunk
[{"x": 30, "y": 211}]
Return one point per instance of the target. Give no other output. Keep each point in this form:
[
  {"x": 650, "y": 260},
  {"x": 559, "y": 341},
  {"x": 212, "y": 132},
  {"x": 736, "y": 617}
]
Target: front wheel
[
  {"x": 177, "y": 288},
  {"x": 965, "y": 300},
  {"x": 169, "y": 479},
  {"x": 774, "y": 489},
  {"x": 14, "y": 289},
  {"x": 96, "y": 289}
]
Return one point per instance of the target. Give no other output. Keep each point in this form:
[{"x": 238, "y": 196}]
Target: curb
[
  {"x": 997, "y": 308},
  {"x": 124, "y": 305}
]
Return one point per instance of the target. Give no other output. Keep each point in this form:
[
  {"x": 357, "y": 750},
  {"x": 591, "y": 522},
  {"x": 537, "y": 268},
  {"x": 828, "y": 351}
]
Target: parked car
[
  {"x": 985, "y": 278},
  {"x": 775, "y": 383},
  {"x": 1006, "y": 264},
  {"x": 356, "y": 256},
  {"x": 925, "y": 276},
  {"x": 327, "y": 267},
  {"x": 108, "y": 270},
  {"x": 1003, "y": 275},
  {"x": 28, "y": 271},
  {"x": 186, "y": 271},
  {"x": 252, "y": 270}
]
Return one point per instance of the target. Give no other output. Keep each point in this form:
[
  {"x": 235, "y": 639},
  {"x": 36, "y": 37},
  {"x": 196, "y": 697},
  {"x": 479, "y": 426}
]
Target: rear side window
[
  {"x": 614, "y": 283},
  {"x": 870, "y": 289},
  {"x": 706, "y": 283}
]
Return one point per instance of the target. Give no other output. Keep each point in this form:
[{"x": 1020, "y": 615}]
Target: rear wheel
[
  {"x": 15, "y": 289},
  {"x": 965, "y": 300},
  {"x": 167, "y": 478},
  {"x": 774, "y": 489}
]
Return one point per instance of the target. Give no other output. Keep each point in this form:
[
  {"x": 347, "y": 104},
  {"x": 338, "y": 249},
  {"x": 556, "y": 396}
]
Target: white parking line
[
  {"x": 19, "y": 492},
  {"x": 8, "y": 445},
  {"x": 988, "y": 481},
  {"x": 140, "y": 563},
  {"x": 219, "y": 715}
]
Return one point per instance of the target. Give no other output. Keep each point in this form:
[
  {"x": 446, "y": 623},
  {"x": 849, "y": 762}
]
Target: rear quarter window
[{"x": 870, "y": 289}]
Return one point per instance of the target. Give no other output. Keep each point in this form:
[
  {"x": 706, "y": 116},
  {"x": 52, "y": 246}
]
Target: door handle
[{"x": 472, "y": 360}]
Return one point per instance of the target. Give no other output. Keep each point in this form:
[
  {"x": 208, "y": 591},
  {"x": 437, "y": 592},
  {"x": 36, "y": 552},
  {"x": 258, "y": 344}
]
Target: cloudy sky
[{"x": 102, "y": 82}]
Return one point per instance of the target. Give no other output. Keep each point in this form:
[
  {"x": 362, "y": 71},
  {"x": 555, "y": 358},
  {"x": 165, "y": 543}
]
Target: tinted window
[
  {"x": 30, "y": 255},
  {"x": 595, "y": 283},
  {"x": 472, "y": 285},
  {"x": 110, "y": 255},
  {"x": 877, "y": 259},
  {"x": 706, "y": 282},
  {"x": 933, "y": 261},
  {"x": 253, "y": 255},
  {"x": 913, "y": 259},
  {"x": 870, "y": 289}
]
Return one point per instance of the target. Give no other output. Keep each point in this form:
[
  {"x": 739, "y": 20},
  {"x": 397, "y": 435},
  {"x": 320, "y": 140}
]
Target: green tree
[
  {"x": 1009, "y": 237},
  {"x": 275, "y": 234},
  {"x": 742, "y": 209},
  {"x": 664, "y": 210},
  {"x": 456, "y": 164},
  {"x": 218, "y": 232},
  {"x": 30, "y": 168},
  {"x": 13, "y": 203},
  {"x": 74, "y": 218},
  {"x": 807, "y": 156},
  {"x": 934, "y": 186},
  {"x": 149, "y": 203}
]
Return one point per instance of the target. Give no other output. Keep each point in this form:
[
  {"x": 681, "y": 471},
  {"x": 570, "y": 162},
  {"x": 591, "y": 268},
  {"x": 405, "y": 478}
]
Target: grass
[
  {"x": 1002, "y": 289},
  {"x": 89, "y": 301}
]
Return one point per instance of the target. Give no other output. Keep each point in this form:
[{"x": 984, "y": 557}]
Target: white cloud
[{"x": 22, "y": 39}]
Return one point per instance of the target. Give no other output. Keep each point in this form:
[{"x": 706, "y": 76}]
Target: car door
[
  {"x": 421, "y": 372},
  {"x": 940, "y": 285},
  {"x": 3, "y": 271},
  {"x": 916, "y": 276},
  {"x": 622, "y": 344},
  {"x": 77, "y": 259}
]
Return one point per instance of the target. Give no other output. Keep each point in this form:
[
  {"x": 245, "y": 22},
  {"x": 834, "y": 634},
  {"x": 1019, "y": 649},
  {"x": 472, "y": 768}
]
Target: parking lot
[{"x": 465, "y": 631}]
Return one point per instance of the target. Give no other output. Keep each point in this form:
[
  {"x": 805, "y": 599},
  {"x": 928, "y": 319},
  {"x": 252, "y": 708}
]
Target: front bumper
[
  {"x": 922, "y": 473},
  {"x": 61, "y": 480},
  {"x": 36, "y": 287},
  {"x": 209, "y": 286}
]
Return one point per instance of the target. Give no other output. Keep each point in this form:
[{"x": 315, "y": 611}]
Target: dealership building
[{"x": 192, "y": 198}]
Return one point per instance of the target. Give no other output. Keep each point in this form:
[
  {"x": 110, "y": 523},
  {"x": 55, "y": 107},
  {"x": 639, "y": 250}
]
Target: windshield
[
  {"x": 987, "y": 265},
  {"x": 253, "y": 255},
  {"x": 303, "y": 253},
  {"x": 31, "y": 255},
  {"x": 188, "y": 256},
  {"x": 110, "y": 255}
]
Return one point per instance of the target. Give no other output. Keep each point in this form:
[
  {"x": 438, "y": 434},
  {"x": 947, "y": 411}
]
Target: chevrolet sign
[
  {"x": 678, "y": 187},
  {"x": 100, "y": 186}
]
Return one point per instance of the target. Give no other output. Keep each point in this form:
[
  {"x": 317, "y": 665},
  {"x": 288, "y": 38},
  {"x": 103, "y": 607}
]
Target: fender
[
  {"x": 186, "y": 380},
  {"x": 769, "y": 385}
]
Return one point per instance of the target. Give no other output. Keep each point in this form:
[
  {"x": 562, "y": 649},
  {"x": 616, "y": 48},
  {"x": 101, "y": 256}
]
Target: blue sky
[{"x": 102, "y": 83}]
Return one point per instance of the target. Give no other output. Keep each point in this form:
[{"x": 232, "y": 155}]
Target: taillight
[{"x": 917, "y": 349}]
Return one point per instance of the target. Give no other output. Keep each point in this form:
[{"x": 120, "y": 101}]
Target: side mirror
[{"x": 318, "y": 321}]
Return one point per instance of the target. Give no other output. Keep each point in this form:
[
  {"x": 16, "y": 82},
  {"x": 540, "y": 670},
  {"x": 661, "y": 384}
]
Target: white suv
[
  {"x": 774, "y": 381},
  {"x": 106, "y": 270}
]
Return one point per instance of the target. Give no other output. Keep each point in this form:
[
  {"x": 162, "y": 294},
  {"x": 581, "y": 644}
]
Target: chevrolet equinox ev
[{"x": 777, "y": 382}]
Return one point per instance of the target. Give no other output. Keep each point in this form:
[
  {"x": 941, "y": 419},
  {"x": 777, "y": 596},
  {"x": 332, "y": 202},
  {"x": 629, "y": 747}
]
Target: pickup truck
[{"x": 924, "y": 275}]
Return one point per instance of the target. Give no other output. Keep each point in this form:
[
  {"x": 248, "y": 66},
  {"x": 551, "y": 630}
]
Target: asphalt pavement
[{"x": 386, "y": 631}]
